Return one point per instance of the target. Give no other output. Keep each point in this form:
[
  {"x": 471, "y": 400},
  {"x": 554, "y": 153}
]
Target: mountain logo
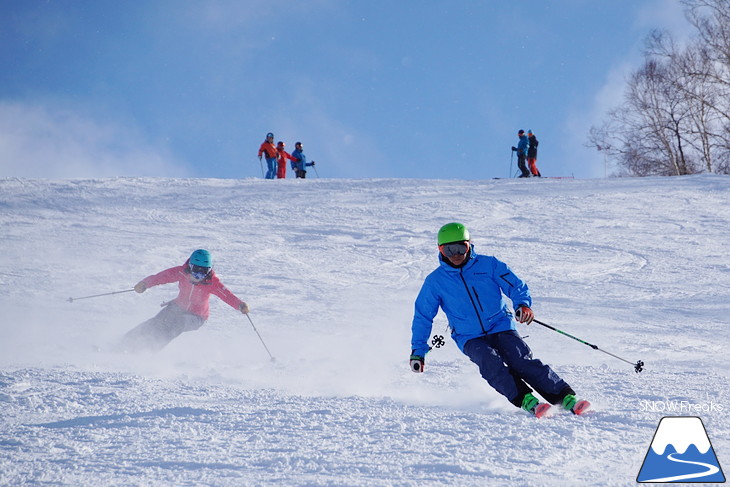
[{"x": 680, "y": 452}]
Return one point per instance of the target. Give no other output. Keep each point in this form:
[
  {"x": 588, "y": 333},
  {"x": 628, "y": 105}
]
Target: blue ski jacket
[
  {"x": 472, "y": 298},
  {"x": 299, "y": 160},
  {"x": 522, "y": 145}
]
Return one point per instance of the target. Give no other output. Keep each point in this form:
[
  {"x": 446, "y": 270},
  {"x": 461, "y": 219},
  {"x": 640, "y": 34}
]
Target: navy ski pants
[{"x": 506, "y": 363}]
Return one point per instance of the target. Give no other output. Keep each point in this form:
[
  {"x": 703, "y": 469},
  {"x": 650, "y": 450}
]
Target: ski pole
[
  {"x": 261, "y": 163},
  {"x": 315, "y": 170},
  {"x": 71, "y": 300},
  {"x": 638, "y": 366},
  {"x": 262, "y": 340},
  {"x": 511, "y": 159}
]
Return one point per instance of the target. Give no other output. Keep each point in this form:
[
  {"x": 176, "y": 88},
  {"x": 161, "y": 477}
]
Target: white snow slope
[{"x": 330, "y": 268}]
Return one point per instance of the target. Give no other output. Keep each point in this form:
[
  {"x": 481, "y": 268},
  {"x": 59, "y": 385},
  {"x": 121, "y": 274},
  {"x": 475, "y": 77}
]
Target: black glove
[
  {"x": 514, "y": 148},
  {"x": 417, "y": 364}
]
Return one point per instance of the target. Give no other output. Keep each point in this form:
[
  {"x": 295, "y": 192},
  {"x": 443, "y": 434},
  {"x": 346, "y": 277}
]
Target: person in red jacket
[
  {"x": 188, "y": 311},
  {"x": 281, "y": 160},
  {"x": 268, "y": 150}
]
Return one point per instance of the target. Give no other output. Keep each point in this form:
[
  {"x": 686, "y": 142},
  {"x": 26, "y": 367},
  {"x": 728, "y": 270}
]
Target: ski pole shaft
[
  {"x": 594, "y": 347},
  {"x": 315, "y": 171},
  {"x": 259, "y": 335},
  {"x": 71, "y": 300},
  {"x": 638, "y": 366}
]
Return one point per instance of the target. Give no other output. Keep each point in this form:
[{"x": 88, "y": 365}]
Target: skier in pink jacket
[{"x": 188, "y": 311}]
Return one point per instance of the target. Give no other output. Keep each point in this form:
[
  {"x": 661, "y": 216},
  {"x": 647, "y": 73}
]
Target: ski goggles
[
  {"x": 454, "y": 249},
  {"x": 199, "y": 272}
]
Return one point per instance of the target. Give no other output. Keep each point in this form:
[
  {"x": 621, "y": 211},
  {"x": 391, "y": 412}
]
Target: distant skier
[
  {"x": 470, "y": 289},
  {"x": 268, "y": 150},
  {"x": 299, "y": 164},
  {"x": 521, "y": 150},
  {"x": 532, "y": 153},
  {"x": 282, "y": 156},
  {"x": 188, "y": 311}
]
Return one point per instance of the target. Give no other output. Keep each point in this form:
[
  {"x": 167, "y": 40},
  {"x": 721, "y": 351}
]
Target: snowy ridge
[{"x": 330, "y": 269}]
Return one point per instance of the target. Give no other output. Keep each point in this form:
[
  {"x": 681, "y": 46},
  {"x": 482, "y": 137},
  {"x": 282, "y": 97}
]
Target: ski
[
  {"x": 540, "y": 177},
  {"x": 581, "y": 407},
  {"x": 541, "y": 409}
]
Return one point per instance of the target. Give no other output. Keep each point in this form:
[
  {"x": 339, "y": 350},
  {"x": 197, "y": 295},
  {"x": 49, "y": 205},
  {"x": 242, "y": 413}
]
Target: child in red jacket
[
  {"x": 281, "y": 160},
  {"x": 188, "y": 311}
]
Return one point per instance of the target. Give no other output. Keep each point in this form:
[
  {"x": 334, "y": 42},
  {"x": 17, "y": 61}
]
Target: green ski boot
[
  {"x": 532, "y": 405},
  {"x": 574, "y": 405}
]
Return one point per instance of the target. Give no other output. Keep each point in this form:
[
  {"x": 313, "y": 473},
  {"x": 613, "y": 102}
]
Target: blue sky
[{"x": 415, "y": 89}]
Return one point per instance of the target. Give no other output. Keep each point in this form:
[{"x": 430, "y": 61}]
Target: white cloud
[
  {"x": 41, "y": 141},
  {"x": 666, "y": 15}
]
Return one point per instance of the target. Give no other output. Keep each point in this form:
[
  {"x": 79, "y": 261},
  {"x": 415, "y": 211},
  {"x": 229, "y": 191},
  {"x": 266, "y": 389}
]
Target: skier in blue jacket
[
  {"x": 470, "y": 288},
  {"x": 299, "y": 161},
  {"x": 521, "y": 150}
]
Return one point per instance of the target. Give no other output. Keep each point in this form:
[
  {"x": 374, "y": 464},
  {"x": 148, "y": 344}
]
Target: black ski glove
[{"x": 417, "y": 364}]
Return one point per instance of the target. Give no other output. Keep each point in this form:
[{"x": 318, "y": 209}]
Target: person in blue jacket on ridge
[
  {"x": 521, "y": 150},
  {"x": 470, "y": 288},
  {"x": 299, "y": 161}
]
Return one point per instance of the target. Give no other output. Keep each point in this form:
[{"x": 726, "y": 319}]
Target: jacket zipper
[
  {"x": 479, "y": 302},
  {"x": 190, "y": 297},
  {"x": 471, "y": 298}
]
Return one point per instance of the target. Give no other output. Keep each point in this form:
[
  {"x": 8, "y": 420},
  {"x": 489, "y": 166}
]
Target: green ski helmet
[
  {"x": 453, "y": 232},
  {"x": 201, "y": 258}
]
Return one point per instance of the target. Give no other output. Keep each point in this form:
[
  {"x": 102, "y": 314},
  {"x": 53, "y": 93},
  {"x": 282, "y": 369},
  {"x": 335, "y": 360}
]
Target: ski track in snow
[{"x": 330, "y": 269}]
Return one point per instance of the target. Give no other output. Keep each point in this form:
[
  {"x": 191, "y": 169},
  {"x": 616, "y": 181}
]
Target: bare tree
[
  {"x": 675, "y": 115},
  {"x": 646, "y": 134},
  {"x": 711, "y": 18}
]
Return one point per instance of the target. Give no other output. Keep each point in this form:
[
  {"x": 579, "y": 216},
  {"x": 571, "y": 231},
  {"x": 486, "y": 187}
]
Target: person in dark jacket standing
[
  {"x": 470, "y": 289},
  {"x": 521, "y": 150},
  {"x": 532, "y": 153}
]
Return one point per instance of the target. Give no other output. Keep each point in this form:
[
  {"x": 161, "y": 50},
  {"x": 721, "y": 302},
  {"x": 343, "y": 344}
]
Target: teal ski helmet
[
  {"x": 201, "y": 258},
  {"x": 453, "y": 232}
]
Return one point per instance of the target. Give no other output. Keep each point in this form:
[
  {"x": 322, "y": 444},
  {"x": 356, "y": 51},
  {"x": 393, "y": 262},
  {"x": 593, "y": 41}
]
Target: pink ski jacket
[{"x": 193, "y": 297}]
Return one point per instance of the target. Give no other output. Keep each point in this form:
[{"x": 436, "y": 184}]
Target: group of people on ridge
[
  {"x": 276, "y": 157},
  {"x": 470, "y": 288},
  {"x": 527, "y": 149}
]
